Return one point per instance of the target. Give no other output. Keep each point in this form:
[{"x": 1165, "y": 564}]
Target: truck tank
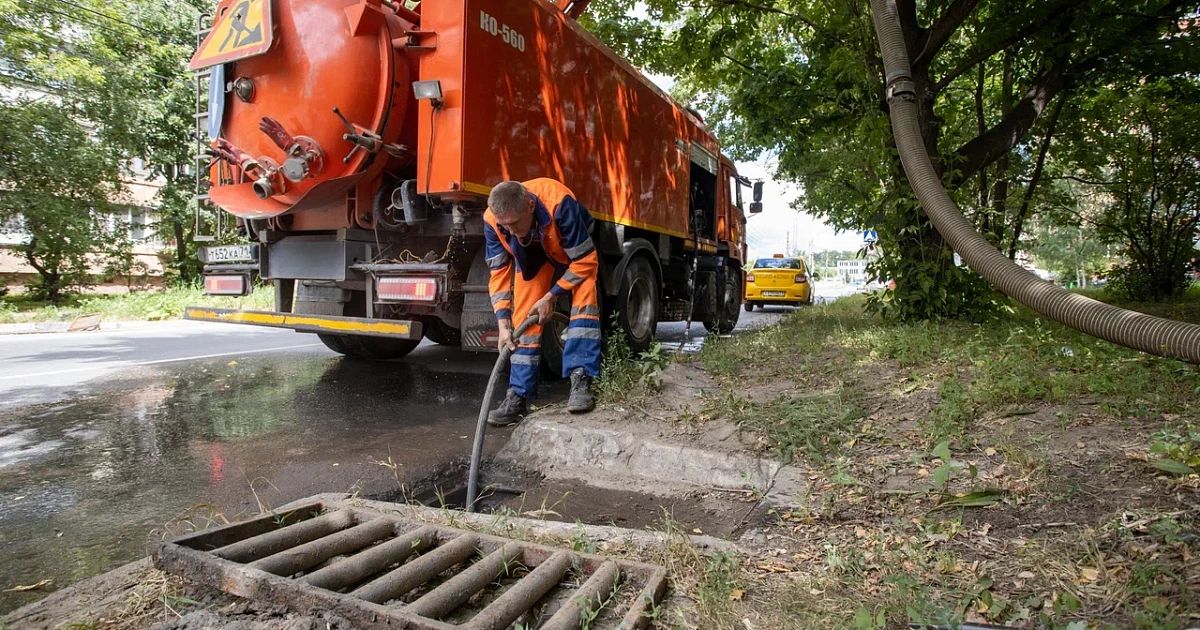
[{"x": 358, "y": 141}]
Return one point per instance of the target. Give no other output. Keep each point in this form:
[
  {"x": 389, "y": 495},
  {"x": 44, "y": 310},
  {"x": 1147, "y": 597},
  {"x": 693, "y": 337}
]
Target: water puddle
[{"x": 86, "y": 485}]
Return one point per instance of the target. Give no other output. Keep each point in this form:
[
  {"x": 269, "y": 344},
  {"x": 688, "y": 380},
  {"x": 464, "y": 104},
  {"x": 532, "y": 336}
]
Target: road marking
[{"x": 157, "y": 361}]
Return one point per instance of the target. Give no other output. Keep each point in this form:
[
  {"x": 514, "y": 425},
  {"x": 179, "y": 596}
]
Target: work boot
[
  {"x": 581, "y": 399},
  {"x": 511, "y": 411}
]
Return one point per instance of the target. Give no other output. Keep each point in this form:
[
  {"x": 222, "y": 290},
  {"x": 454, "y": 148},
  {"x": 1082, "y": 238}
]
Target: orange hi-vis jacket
[{"x": 560, "y": 258}]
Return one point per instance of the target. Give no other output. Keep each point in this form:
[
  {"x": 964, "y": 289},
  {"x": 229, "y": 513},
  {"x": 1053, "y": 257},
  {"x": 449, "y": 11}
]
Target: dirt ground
[{"x": 1044, "y": 514}]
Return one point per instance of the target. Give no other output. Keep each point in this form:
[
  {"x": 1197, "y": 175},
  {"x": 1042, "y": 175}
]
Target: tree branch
[
  {"x": 1018, "y": 223},
  {"x": 1004, "y": 135},
  {"x": 943, "y": 28},
  {"x": 1003, "y": 43}
]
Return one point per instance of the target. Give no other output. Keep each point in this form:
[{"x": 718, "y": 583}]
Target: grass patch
[
  {"x": 156, "y": 304},
  {"x": 815, "y": 425},
  {"x": 626, "y": 376},
  {"x": 1010, "y": 472}
]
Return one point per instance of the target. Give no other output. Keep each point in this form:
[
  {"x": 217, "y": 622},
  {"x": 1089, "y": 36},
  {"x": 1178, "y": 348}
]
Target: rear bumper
[
  {"x": 392, "y": 328},
  {"x": 790, "y": 295}
]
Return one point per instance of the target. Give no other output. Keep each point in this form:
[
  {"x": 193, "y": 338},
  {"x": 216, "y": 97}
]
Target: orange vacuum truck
[{"x": 356, "y": 141}]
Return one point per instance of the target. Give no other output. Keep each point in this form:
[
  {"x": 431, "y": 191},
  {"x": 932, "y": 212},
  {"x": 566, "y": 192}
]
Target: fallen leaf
[
  {"x": 696, "y": 530},
  {"x": 29, "y": 587},
  {"x": 1089, "y": 574},
  {"x": 989, "y": 451},
  {"x": 1026, "y": 575},
  {"x": 736, "y": 595},
  {"x": 232, "y": 364},
  {"x": 1172, "y": 466}
]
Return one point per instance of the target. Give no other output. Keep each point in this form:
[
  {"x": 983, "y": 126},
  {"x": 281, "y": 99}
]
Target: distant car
[{"x": 777, "y": 280}]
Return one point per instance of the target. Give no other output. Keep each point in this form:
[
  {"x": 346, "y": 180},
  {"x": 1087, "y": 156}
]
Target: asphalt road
[{"x": 113, "y": 438}]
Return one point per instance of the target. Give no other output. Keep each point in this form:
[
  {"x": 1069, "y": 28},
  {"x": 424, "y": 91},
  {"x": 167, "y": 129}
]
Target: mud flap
[{"x": 479, "y": 331}]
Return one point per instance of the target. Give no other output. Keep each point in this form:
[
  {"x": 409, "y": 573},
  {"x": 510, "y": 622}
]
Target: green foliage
[
  {"x": 1142, "y": 160},
  {"x": 58, "y": 181},
  {"x": 115, "y": 69},
  {"x": 141, "y": 305},
  {"x": 626, "y": 377},
  {"x": 802, "y": 81},
  {"x": 1179, "y": 449},
  {"x": 814, "y": 425}
]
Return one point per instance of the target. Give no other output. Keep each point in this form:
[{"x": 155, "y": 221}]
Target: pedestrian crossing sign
[{"x": 241, "y": 29}]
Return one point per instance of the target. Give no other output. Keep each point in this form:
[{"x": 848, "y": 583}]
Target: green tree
[
  {"x": 803, "y": 79},
  {"x": 119, "y": 69},
  {"x": 59, "y": 181},
  {"x": 1142, "y": 160}
]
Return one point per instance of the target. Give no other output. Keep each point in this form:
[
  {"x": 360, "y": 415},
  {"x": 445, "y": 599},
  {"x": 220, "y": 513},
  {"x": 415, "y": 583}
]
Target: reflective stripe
[
  {"x": 525, "y": 359},
  {"x": 580, "y": 249},
  {"x": 572, "y": 278},
  {"x": 499, "y": 297},
  {"x": 530, "y": 340},
  {"x": 585, "y": 310},
  {"x": 498, "y": 261},
  {"x": 583, "y": 333}
]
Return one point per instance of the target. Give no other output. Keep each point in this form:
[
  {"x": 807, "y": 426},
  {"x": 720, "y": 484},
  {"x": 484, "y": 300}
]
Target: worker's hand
[
  {"x": 505, "y": 339},
  {"x": 544, "y": 307}
]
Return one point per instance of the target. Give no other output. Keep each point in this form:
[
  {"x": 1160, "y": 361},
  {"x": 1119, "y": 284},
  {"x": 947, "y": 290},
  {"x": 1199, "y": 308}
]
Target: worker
[{"x": 539, "y": 248}]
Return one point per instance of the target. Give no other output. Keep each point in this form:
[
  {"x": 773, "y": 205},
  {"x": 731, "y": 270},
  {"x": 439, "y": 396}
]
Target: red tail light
[
  {"x": 801, "y": 278},
  {"x": 226, "y": 285},
  {"x": 408, "y": 289},
  {"x": 749, "y": 277}
]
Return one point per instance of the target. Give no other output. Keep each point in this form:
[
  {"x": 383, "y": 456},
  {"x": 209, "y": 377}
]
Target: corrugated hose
[
  {"x": 484, "y": 408},
  {"x": 1155, "y": 335}
]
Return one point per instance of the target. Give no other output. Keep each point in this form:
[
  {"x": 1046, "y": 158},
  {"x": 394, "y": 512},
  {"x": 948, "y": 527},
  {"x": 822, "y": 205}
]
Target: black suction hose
[
  {"x": 1156, "y": 335},
  {"x": 484, "y": 408}
]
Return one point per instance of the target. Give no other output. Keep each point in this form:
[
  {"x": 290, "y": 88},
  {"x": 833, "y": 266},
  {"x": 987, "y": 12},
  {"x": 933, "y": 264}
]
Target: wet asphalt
[{"x": 111, "y": 440}]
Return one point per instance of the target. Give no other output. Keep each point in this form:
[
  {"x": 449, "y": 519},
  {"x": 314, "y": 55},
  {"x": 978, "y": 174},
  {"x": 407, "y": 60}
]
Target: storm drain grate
[{"x": 380, "y": 570}]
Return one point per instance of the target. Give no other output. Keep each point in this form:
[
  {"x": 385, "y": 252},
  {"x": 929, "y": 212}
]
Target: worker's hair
[{"x": 508, "y": 198}]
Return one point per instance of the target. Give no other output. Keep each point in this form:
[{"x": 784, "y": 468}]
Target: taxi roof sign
[{"x": 243, "y": 28}]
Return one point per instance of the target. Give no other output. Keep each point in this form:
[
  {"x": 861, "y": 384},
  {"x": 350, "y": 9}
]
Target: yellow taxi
[{"x": 777, "y": 280}]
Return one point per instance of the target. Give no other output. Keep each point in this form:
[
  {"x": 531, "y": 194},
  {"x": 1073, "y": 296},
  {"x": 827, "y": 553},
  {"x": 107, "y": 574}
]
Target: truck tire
[
  {"x": 636, "y": 304},
  {"x": 733, "y": 298},
  {"x": 369, "y": 348},
  {"x": 749, "y": 307},
  {"x": 441, "y": 333},
  {"x": 552, "y": 340},
  {"x": 725, "y": 319}
]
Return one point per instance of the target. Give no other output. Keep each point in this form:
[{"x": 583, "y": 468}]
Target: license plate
[
  {"x": 229, "y": 253},
  {"x": 774, "y": 293}
]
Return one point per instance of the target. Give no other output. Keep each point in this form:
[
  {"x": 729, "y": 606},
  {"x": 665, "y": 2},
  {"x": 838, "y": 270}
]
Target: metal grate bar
[
  {"x": 419, "y": 571},
  {"x": 656, "y": 587},
  {"x": 523, "y": 595},
  {"x": 379, "y": 557},
  {"x": 453, "y": 592},
  {"x": 269, "y": 543},
  {"x": 363, "y": 565},
  {"x": 308, "y": 555},
  {"x": 590, "y": 596}
]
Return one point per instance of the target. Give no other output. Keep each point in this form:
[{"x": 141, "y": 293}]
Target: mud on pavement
[{"x": 643, "y": 479}]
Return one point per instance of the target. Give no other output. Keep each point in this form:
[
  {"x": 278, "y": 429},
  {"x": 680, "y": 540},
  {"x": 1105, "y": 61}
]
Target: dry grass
[{"x": 995, "y": 473}]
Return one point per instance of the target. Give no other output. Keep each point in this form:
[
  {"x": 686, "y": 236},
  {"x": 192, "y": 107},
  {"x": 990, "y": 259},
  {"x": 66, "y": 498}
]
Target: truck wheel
[
  {"x": 726, "y": 317},
  {"x": 749, "y": 307},
  {"x": 552, "y": 340},
  {"x": 733, "y": 296},
  {"x": 637, "y": 304},
  {"x": 369, "y": 348},
  {"x": 441, "y": 333}
]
